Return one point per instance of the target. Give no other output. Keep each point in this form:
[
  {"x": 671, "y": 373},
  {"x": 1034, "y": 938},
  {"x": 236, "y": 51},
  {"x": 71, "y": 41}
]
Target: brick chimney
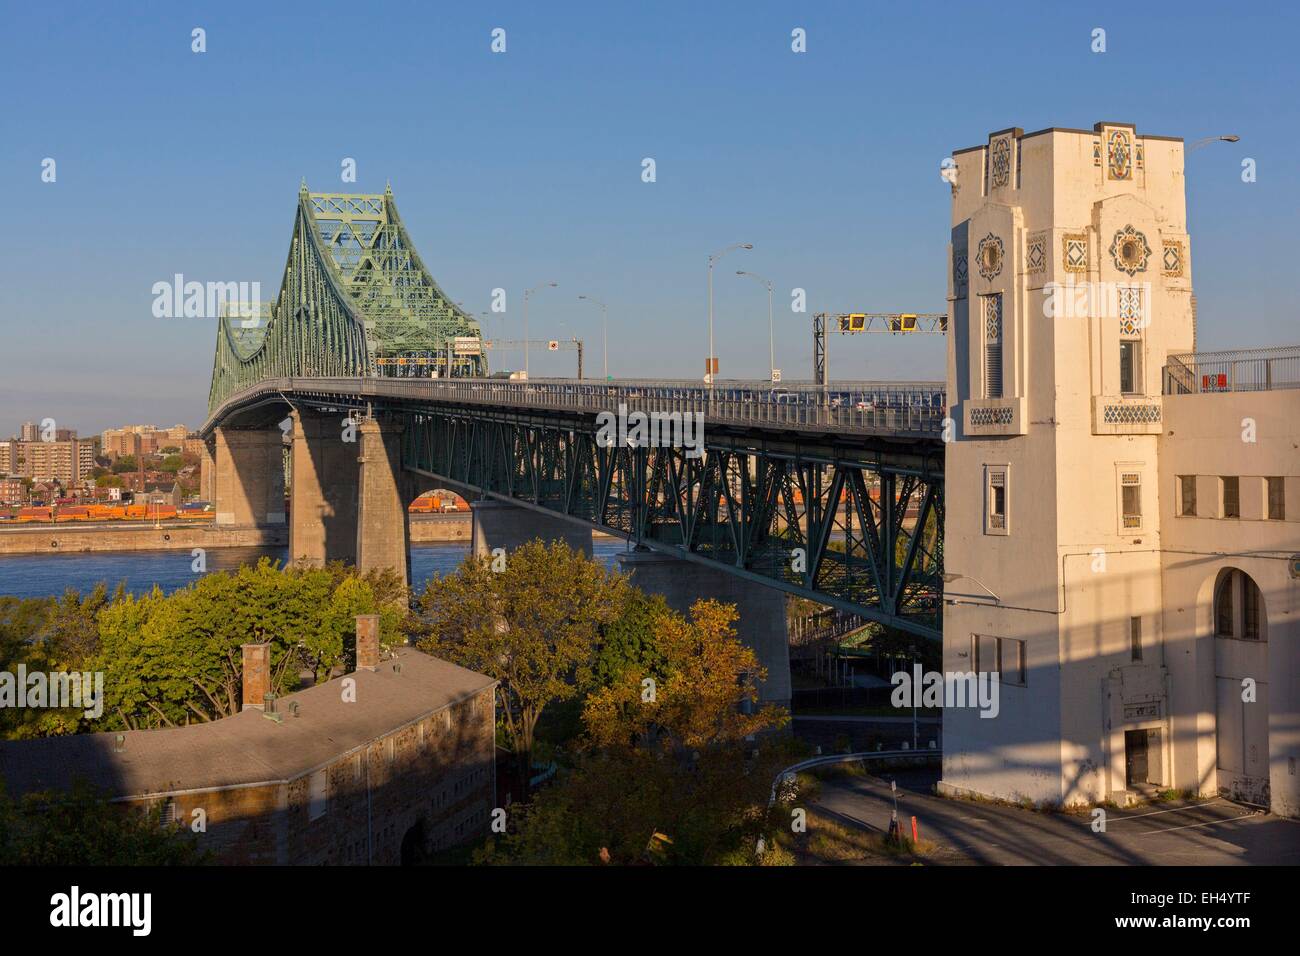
[
  {"x": 367, "y": 642},
  {"x": 257, "y": 675}
]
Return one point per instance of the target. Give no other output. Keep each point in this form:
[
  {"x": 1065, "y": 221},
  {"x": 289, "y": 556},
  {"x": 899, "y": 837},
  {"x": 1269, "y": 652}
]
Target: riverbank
[
  {"x": 167, "y": 536},
  {"x": 70, "y": 538}
]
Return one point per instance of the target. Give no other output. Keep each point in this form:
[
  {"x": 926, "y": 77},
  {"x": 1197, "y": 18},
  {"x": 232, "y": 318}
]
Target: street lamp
[
  {"x": 713, "y": 258},
  {"x": 1231, "y": 138},
  {"x": 604, "y": 330},
  {"x": 542, "y": 285},
  {"x": 771, "y": 340},
  {"x": 949, "y": 577}
]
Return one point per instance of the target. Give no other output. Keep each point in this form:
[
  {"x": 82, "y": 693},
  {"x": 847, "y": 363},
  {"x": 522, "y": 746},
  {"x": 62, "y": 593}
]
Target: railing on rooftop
[{"x": 1239, "y": 370}]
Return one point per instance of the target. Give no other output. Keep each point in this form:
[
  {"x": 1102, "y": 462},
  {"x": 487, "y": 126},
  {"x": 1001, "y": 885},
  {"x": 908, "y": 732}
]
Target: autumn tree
[
  {"x": 707, "y": 696},
  {"x": 672, "y": 757},
  {"x": 533, "y": 625}
]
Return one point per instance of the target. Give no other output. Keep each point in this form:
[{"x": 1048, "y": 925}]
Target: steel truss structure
[
  {"x": 355, "y": 299},
  {"x": 855, "y": 528}
]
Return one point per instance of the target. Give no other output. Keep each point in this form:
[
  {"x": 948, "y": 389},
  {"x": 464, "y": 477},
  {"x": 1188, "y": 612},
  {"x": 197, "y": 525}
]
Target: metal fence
[
  {"x": 1240, "y": 370},
  {"x": 915, "y": 409}
]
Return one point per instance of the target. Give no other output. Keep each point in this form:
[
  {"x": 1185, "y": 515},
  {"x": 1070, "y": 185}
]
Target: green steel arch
[{"x": 356, "y": 300}]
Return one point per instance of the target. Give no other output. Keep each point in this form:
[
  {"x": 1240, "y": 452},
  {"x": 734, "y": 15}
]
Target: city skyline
[{"x": 529, "y": 169}]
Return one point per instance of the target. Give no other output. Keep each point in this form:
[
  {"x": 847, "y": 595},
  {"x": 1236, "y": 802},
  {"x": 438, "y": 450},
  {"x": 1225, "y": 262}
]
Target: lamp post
[
  {"x": 771, "y": 339},
  {"x": 713, "y": 258},
  {"x": 541, "y": 285},
  {"x": 1200, "y": 143},
  {"x": 604, "y": 331},
  {"x": 951, "y": 576},
  {"x": 912, "y": 652}
]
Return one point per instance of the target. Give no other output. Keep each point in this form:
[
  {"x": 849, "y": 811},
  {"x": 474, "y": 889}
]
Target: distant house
[{"x": 379, "y": 767}]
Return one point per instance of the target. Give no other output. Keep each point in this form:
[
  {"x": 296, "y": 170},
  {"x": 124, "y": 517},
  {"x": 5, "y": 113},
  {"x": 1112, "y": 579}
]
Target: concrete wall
[
  {"x": 323, "y": 496},
  {"x": 383, "y": 536},
  {"x": 498, "y": 524},
  {"x": 1208, "y": 436},
  {"x": 135, "y": 537},
  {"x": 762, "y": 622},
  {"x": 249, "y": 477},
  {"x": 439, "y": 528}
]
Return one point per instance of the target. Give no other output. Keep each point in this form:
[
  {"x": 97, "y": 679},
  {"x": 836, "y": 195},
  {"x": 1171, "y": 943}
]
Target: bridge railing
[{"x": 908, "y": 408}]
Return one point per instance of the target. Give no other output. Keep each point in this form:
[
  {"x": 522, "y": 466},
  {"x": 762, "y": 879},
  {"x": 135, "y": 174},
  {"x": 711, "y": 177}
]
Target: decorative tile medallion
[
  {"x": 1000, "y": 162},
  {"x": 1096, "y": 152},
  {"x": 1119, "y": 154},
  {"x": 989, "y": 257},
  {"x": 1074, "y": 252},
  {"x": 1036, "y": 253},
  {"x": 1130, "y": 250},
  {"x": 1172, "y": 262}
]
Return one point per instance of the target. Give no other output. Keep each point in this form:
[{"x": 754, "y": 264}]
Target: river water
[{"x": 37, "y": 575}]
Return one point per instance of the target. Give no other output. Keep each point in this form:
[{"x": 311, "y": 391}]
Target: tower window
[
  {"x": 995, "y": 500},
  {"x": 1236, "y": 589},
  {"x": 1276, "y": 499},
  {"x": 1130, "y": 367},
  {"x": 1131, "y": 499},
  {"x": 1231, "y": 496},
  {"x": 992, "y": 305},
  {"x": 1135, "y": 638},
  {"x": 1187, "y": 496}
]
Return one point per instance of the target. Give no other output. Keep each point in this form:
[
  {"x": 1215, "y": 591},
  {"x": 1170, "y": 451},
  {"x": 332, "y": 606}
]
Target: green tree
[
  {"x": 172, "y": 659},
  {"x": 82, "y": 828},
  {"x": 629, "y": 641},
  {"x": 534, "y": 626}
]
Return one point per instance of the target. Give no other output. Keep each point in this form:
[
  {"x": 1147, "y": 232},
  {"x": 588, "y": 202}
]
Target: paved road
[{"x": 1204, "y": 833}]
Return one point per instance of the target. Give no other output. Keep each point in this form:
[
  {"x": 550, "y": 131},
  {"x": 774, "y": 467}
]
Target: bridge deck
[{"x": 914, "y": 410}]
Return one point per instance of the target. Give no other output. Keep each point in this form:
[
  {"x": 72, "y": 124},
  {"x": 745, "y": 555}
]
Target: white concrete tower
[{"x": 1070, "y": 283}]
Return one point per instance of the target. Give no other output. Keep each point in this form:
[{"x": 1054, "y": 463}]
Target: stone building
[
  {"x": 1121, "y": 525},
  {"x": 379, "y": 767}
]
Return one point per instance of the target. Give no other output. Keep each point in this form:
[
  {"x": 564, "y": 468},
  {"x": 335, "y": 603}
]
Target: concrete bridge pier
[
  {"x": 248, "y": 477},
  {"x": 761, "y": 625},
  {"x": 498, "y": 524},
  {"x": 324, "y": 495},
  {"x": 383, "y": 523},
  {"x": 208, "y": 471}
]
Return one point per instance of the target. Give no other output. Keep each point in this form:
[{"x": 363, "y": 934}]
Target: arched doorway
[
  {"x": 1240, "y": 625},
  {"x": 414, "y": 845}
]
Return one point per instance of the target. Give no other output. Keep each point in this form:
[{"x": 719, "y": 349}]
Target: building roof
[{"x": 248, "y": 748}]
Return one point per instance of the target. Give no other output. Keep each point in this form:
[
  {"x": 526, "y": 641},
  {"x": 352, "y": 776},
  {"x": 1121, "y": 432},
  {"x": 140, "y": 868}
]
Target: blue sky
[{"x": 518, "y": 168}]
